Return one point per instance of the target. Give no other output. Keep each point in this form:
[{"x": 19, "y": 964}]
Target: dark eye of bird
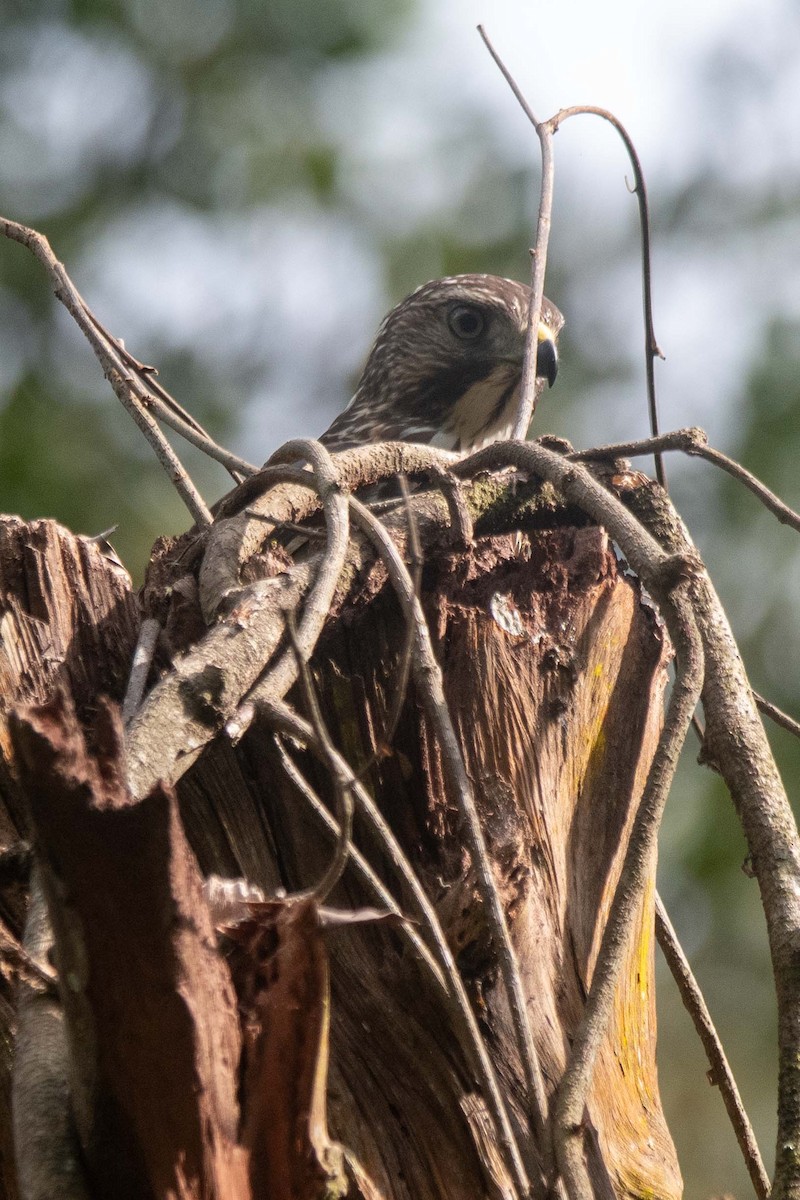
[{"x": 465, "y": 321}]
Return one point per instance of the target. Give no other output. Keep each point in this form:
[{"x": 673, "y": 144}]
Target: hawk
[{"x": 446, "y": 366}]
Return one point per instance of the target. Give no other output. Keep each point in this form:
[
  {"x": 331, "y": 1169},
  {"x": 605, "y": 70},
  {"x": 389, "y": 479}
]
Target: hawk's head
[{"x": 446, "y": 365}]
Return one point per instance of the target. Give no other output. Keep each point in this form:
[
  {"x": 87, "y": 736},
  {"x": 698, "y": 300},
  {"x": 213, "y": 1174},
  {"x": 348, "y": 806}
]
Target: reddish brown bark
[
  {"x": 67, "y": 615},
  {"x": 150, "y": 1010}
]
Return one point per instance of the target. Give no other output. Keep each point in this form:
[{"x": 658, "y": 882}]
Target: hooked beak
[{"x": 546, "y": 355}]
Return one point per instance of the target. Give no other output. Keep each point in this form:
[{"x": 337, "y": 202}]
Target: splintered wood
[
  {"x": 554, "y": 670},
  {"x": 216, "y": 1067}
]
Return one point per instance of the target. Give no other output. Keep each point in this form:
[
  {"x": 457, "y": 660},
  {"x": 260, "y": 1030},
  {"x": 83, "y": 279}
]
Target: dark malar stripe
[
  {"x": 499, "y": 408},
  {"x": 433, "y": 400}
]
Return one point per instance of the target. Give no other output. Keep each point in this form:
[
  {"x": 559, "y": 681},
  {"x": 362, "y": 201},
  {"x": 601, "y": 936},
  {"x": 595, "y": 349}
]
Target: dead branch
[
  {"x": 720, "y": 1075},
  {"x": 736, "y": 744},
  {"x": 545, "y": 131},
  {"x": 694, "y": 442},
  {"x": 129, "y": 390}
]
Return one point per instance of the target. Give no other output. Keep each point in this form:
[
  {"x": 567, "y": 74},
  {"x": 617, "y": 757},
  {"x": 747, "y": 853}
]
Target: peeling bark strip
[{"x": 151, "y": 1014}]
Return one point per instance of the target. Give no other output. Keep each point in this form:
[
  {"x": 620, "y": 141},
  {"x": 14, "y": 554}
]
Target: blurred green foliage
[{"x": 230, "y": 187}]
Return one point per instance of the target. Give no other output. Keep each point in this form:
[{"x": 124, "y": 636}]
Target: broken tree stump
[{"x": 554, "y": 668}]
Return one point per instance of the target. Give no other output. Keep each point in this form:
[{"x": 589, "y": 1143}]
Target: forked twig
[
  {"x": 721, "y": 1073},
  {"x": 652, "y": 349},
  {"x": 545, "y": 130},
  {"x": 132, "y": 392}
]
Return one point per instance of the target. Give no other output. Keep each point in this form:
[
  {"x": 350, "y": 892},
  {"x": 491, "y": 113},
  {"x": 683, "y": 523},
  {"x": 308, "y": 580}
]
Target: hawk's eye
[{"x": 466, "y": 321}]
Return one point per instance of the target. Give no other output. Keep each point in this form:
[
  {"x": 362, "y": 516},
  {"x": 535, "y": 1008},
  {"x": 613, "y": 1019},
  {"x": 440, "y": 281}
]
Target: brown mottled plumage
[{"x": 446, "y": 365}]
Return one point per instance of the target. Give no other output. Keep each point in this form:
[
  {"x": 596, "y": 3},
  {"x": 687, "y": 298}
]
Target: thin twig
[
  {"x": 777, "y": 714},
  {"x": 285, "y": 720},
  {"x": 652, "y": 350},
  {"x": 129, "y": 388},
  {"x": 544, "y": 132},
  {"x": 140, "y": 667},
  {"x": 278, "y": 679},
  {"x": 395, "y": 712},
  {"x": 428, "y": 679},
  {"x": 694, "y": 442},
  {"x": 342, "y": 783},
  {"x": 786, "y": 515},
  {"x": 167, "y": 408},
  {"x": 308, "y": 532},
  {"x": 721, "y": 1073},
  {"x": 233, "y": 464},
  {"x": 689, "y": 440},
  {"x": 371, "y": 882},
  {"x": 143, "y": 371}
]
